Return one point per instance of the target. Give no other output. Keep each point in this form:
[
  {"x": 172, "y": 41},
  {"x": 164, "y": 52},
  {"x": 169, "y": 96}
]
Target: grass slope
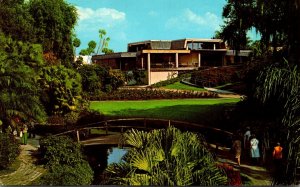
[
  {"x": 180, "y": 86},
  {"x": 203, "y": 111}
]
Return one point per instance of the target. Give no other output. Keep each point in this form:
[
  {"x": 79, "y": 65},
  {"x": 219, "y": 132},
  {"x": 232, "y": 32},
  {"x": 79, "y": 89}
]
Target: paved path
[
  {"x": 258, "y": 175},
  {"x": 28, "y": 171}
]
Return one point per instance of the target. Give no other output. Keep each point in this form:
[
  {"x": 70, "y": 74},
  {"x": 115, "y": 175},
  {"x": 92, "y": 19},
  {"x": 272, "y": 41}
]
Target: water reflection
[
  {"x": 116, "y": 154},
  {"x": 99, "y": 156}
]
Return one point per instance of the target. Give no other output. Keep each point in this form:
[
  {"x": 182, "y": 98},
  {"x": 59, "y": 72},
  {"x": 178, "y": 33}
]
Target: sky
[{"x": 127, "y": 21}]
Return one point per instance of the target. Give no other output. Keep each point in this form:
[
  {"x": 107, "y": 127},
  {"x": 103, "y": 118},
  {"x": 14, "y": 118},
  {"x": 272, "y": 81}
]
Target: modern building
[{"x": 163, "y": 59}]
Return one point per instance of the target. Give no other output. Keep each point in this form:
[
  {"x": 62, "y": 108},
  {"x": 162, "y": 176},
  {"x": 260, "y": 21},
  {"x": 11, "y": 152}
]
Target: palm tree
[
  {"x": 281, "y": 84},
  {"x": 166, "y": 157}
]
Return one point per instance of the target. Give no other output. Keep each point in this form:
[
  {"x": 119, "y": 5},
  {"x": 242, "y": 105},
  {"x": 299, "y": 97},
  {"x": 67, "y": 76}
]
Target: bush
[
  {"x": 217, "y": 76},
  {"x": 9, "y": 150},
  {"x": 80, "y": 174},
  {"x": 65, "y": 162}
]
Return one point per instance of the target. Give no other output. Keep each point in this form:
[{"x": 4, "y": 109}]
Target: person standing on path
[
  {"x": 254, "y": 149},
  {"x": 277, "y": 159},
  {"x": 25, "y": 135},
  {"x": 237, "y": 147},
  {"x": 247, "y": 136}
]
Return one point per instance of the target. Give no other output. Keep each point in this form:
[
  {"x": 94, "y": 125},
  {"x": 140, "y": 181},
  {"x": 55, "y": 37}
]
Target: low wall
[{"x": 162, "y": 76}]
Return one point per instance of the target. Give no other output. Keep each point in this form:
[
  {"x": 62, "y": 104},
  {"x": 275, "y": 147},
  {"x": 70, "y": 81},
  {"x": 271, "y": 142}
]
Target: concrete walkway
[{"x": 28, "y": 171}]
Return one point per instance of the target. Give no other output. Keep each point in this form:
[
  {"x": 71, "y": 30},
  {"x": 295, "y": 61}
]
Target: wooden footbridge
[{"x": 110, "y": 132}]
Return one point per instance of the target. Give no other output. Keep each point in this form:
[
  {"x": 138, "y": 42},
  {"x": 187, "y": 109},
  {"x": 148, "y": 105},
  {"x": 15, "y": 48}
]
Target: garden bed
[{"x": 150, "y": 93}]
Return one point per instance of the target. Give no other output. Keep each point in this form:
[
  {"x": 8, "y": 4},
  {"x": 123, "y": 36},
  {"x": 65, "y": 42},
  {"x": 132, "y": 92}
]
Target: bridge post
[
  {"x": 169, "y": 123},
  {"x": 77, "y": 133},
  {"x": 106, "y": 130}
]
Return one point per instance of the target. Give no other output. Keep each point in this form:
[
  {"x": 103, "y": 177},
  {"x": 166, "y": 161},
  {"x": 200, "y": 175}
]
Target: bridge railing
[{"x": 115, "y": 126}]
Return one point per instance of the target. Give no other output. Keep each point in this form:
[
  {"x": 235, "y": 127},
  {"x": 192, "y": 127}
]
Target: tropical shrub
[
  {"x": 61, "y": 90},
  {"x": 92, "y": 78},
  {"x": 59, "y": 175},
  {"x": 278, "y": 89},
  {"x": 148, "y": 93},
  {"x": 114, "y": 80},
  {"x": 19, "y": 92},
  {"x": 165, "y": 157},
  {"x": 9, "y": 150},
  {"x": 65, "y": 162}
]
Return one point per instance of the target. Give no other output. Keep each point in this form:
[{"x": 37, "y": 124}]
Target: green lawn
[
  {"x": 203, "y": 111},
  {"x": 181, "y": 86}
]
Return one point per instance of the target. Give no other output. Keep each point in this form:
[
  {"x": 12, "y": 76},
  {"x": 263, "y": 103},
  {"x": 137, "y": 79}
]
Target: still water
[
  {"x": 116, "y": 155},
  {"x": 99, "y": 157}
]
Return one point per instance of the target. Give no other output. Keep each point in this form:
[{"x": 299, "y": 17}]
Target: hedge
[
  {"x": 9, "y": 150},
  {"x": 149, "y": 93}
]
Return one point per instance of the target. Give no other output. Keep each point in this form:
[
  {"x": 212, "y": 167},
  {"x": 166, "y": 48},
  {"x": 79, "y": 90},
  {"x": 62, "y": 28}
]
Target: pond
[
  {"x": 116, "y": 155},
  {"x": 100, "y": 156}
]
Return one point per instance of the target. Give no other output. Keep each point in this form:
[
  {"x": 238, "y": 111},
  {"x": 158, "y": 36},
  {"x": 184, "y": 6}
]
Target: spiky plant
[{"x": 166, "y": 157}]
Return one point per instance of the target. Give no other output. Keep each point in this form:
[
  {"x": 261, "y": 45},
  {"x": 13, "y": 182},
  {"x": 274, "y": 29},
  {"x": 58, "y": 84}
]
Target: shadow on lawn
[{"x": 207, "y": 115}]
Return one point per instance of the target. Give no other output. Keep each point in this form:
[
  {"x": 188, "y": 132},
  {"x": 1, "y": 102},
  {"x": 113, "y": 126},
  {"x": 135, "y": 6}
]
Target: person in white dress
[{"x": 254, "y": 149}]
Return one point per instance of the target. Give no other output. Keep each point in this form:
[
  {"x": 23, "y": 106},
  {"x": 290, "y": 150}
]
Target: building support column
[
  {"x": 199, "y": 60},
  {"x": 176, "y": 60},
  {"x": 142, "y": 61},
  {"x": 149, "y": 68}
]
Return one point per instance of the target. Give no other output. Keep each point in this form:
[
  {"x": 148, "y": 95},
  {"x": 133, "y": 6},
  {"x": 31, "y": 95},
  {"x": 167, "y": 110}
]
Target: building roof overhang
[
  {"x": 164, "y": 51},
  {"x": 115, "y": 55},
  {"x": 200, "y": 40}
]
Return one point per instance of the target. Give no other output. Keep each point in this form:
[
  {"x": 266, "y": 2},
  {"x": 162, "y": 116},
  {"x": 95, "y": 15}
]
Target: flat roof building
[{"x": 163, "y": 59}]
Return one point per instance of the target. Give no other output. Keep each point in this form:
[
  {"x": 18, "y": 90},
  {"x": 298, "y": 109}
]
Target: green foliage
[
  {"x": 9, "y": 150},
  {"x": 65, "y": 162},
  {"x": 277, "y": 22},
  {"x": 103, "y": 43},
  {"x": 280, "y": 84},
  {"x": 61, "y": 175},
  {"x": 19, "y": 92},
  {"x": 54, "y": 22},
  {"x": 93, "y": 77},
  {"x": 15, "y": 20},
  {"x": 115, "y": 79},
  {"x": 166, "y": 157},
  {"x": 217, "y": 76},
  {"x": 76, "y": 42},
  {"x": 60, "y": 150},
  {"x": 61, "y": 89},
  {"x": 91, "y": 48}
]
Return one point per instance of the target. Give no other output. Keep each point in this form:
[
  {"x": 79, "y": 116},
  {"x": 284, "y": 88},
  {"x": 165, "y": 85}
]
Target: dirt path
[{"x": 28, "y": 171}]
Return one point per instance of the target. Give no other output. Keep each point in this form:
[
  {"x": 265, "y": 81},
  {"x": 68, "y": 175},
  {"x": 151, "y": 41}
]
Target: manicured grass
[
  {"x": 203, "y": 111},
  {"x": 181, "y": 86}
]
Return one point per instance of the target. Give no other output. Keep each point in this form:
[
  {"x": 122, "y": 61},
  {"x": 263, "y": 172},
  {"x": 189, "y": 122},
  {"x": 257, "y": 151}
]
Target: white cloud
[
  {"x": 107, "y": 17},
  {"x": 188, "y": 18}
]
